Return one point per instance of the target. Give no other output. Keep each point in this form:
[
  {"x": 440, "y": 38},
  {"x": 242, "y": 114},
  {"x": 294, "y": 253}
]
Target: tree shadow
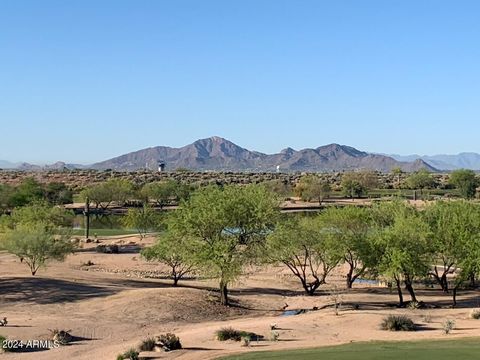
[{"x": 43, "y": 291}]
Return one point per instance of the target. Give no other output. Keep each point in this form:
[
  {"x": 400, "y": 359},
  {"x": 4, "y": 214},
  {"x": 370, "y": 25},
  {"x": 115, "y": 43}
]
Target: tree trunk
[
  {"x": 454, "y": 296},
  {"x": 409, "y": 287},
  {"x": 399, "y": 290},
  {"x": 175, "y": 280},
  {"x": 349, "y": 279},
  {"x": 223, "y": 293},
  {"x": 472, "y": 280}
]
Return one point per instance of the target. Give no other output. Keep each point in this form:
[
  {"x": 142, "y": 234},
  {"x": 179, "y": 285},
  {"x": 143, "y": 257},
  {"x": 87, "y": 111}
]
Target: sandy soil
[{"x": 111, "y": 306}]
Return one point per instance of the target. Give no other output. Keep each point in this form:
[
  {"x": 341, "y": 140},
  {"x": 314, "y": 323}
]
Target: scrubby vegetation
[
  {"x": 229, "y": 333},
  {"x": 397, "y": 323}
]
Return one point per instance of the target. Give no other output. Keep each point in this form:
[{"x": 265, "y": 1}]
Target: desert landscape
[{"x": 121, "y": 299}]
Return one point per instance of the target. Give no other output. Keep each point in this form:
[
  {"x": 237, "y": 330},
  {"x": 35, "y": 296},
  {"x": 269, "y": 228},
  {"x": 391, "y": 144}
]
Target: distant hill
[
  {"x": 7, "y": 165},
  {"x": 466, "y": 160},
  {"x": 216, "y": 153}
]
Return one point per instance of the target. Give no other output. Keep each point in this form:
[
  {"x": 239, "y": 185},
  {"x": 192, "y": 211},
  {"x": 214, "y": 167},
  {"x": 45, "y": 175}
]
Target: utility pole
[{"x": 86, "y": 214}]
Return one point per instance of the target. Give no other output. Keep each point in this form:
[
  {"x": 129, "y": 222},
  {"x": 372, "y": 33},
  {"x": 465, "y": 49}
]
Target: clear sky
[{"x": 83, "y": 81}]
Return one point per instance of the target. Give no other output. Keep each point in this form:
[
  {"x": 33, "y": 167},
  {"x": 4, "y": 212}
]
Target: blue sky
[{"x": 82, "y": 81}]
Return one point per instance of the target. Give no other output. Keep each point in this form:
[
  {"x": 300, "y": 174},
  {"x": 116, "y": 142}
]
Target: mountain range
[{"x": 216, "y": 153}]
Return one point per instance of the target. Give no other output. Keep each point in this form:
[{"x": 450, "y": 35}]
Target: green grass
[
  {"x": 104, "y": 232},
  {"x": 460, "y": 349}
]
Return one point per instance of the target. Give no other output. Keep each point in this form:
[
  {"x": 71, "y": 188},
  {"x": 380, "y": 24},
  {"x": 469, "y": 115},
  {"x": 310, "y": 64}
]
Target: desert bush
[
  {"x": 448, "y": 325},
  {"x": 229, "y": 333},
  {"x": 397, "y": 323},
  {"x": 130, "y": 354},
  {"x": 169, "y": 342},
  {"x": 475, "y": 314},
  {"x": 63, "y": 337},
  {"x": 2, "y": 340},
  {"x": 427, "y": 318},
  {"x": 413, "y": 305},
  {"x": 246, "y": 341},
  {"x": 274, "y": 335},
  {"x": 148, "y": 344}
]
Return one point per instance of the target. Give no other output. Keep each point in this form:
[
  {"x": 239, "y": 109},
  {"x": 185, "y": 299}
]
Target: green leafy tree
[
  {"x": 57, "y": 193},
  {"x": 36, "y": 244},
  {"x": 164, "y": 193},
  {"x": 27, "y": 192},
  {"x": 454, "y": 227},
  {"x": 420, "y": 180},
  {"x": 350, "y": 228},
  {"x": 280, "y": 187},
  {"x": 176, "y": 253},
  {"x": 312, "y": 187},
  {"x": 40, "y": 212},
  {"x": 142, "y": 219},
  {"x": 105, "y": 193},
  {"x": 397, "y": 172},
  {"x": 306, "y": 249},
  {"x": 465, "y": 181},
  {"x": 357, "y": 184},
  {"x": 229, "y": 224},
  {"x": 403, "y": 247}
]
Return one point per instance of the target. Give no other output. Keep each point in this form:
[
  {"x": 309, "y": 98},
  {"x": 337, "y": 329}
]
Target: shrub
[
  {"x": 475, "y": 314},
  {"x": 148, "y": 344},
  {"x": 448, "y": 325},
  {"x": 130, "y": 354},
  {"x": 397, "y": 323},
  {"x": 169, "y": 342},
  {"x": 274, "y": 335},
  {"x": 246, "y": 340},
  {"x": 229, "y": 333},
  {"x": 413, "y": 305},
  {"x": 63, "y": 337},
  {"x": 2, "y": 340}
]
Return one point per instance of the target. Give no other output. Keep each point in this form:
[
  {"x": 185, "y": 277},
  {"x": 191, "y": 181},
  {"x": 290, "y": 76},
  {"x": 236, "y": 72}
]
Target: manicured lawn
[{"x": 461, "y": 349}]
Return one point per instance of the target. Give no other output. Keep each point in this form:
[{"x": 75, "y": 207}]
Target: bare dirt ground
[{"x": 110, "y": 306}]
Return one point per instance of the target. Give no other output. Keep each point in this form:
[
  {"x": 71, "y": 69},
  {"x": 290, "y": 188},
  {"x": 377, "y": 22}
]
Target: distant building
[
  {"x": 161, "y": 166},
  {"x": 278, "y": 168}
]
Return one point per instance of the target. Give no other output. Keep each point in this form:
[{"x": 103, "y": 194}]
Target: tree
[
  {"x": 165, "y": 192},
  {"x": 465, "y": 181},
  {"x": 454, "y": 226},
  {"x": 280, "y": 187},
  {"x": 306, "y": 249},
  {"x": 312, "y": 187},
  {"x": 229, "y": 226},
  {"x": 349, "y": 228},
  {"x": 177, "y": 254},
  {"x": 57, "y": 193},
  {"x": 403, "y": 248},
  {"x": 36, "y": 244},
  {"x": 141, "y": 219},
  {"x": 27, "y": 192},
  {"x": 39, "y": 212},
  {"x": 397, "y": 172},
  {"x": 105, "y": 193},
  {"x": 356, "y": 184},
  {"x": 420, "y": 180}
]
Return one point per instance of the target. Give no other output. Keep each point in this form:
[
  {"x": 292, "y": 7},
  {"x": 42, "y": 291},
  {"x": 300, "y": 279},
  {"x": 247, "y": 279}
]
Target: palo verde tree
[
  {"x": 402, "y": 247},
  {"x": 176, "y": 253},
  {"x": 163, "y": 193},
  {"x": 349, "y": 228},
  {"x": 105, "y": 193},
  {"x": 36, "y": 234},
  {"x": 306, "y": 249},
  {"x": 454, "y": 226},
  {"x": 312, "y": 187},
  {"x": 465, "y": 181},
  {"x": 357, "y": 184},
  {"x": 229, "y": 225},
  {"x": 142, "y": 219}
]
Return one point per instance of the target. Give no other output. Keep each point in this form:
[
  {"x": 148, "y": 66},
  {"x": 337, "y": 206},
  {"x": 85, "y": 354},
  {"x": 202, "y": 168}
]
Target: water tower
[{"x": 161, "y": 166}]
